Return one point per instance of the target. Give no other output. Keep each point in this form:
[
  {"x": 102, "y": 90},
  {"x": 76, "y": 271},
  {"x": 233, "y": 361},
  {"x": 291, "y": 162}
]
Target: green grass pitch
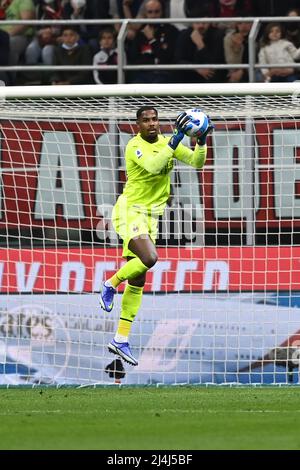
[{"x": 151, "y": 418}]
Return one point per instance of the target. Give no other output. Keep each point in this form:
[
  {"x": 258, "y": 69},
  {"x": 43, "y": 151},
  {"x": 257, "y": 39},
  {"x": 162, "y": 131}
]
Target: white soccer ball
[{"x": 200, "y": 122}]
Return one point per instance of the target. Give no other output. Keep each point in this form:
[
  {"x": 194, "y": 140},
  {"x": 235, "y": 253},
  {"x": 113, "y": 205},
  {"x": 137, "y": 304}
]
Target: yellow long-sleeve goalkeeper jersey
[{"x": 148, "y": 166}]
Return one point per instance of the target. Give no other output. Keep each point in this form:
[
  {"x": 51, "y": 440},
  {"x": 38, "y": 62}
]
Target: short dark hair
[
  {"x": 108, "y": 30},
  {"x": 70, "y": 27},
  {"x": 145, "y": 108}
]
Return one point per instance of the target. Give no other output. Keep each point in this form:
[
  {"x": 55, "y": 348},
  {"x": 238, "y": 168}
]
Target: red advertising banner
[
  {"x": 80, "y": 149},
  {"x": 224, "y": 269}
]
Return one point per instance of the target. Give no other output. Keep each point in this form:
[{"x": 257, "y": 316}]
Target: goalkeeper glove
[
  {"x": 201, "y": 138},
  {"x": 182, "y": 124}
]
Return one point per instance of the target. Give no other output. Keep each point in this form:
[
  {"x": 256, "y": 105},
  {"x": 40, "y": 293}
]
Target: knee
[{"x": 150, "y": 259}]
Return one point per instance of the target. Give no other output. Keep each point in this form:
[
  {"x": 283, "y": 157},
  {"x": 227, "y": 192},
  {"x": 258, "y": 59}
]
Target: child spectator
[
  {"x": 99, "y": 10},
  {"x": 107, "y": 55},
  {"x": 75, "y": 10},
  {"x": 276, "y": 50},
  {"x": 71, "y": 52}
]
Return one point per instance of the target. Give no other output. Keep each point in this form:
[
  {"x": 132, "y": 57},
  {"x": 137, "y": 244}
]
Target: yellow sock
[
  {"x": 114, "y": 280},
  {"x": 131, "y": 302},
  {"x": 124, "y": 328}
]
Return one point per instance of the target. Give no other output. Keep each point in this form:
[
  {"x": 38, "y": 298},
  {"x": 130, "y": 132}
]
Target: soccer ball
[{"x": 200, "y": 122}]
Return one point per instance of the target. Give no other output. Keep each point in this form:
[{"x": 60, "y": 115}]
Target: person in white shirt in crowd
[{"x": 277, "y": 50}]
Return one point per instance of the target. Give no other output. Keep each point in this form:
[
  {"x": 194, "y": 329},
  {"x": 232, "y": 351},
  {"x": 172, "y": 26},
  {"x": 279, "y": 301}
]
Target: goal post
[{"x": 222, "y": 303}]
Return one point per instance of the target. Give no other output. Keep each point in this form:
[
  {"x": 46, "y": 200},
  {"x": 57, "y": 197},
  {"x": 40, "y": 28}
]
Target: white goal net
[{"x": 222, "y": 303}]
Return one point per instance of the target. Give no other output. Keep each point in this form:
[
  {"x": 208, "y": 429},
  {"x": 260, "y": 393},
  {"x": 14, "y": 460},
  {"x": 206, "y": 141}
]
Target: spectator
[
  {"x": 107, "y": 55},
  {"x": 98, "y": 10},
  {"x": 76, "y": 10},
  {"x": 133, "y": 9},
  {"x": 177, "y": 9},
  {"x": 276, "y": 50},
  {"x": 190, "y": 5},
  {"x": 41, "y": 48},
  {"x": 4, "y": 57},
  {"x": 236, "y": 51},
  {"x": 19, "y": 34},
  {"x": 187, "y": 9},
  {"x": 130, "y": 8},
  {"x": 231, "y": 9},
  {"x": 50, "y": 9},
  {"x": 200, "y": 44},
  {"x": 153, "y": 44},
  {"x": 292, "y": 33},
  {"x": 71, "y": 52}
]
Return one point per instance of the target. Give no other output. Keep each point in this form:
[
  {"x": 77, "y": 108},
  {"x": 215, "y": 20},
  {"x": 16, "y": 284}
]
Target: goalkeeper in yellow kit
[{"x": 149, "y": 159}]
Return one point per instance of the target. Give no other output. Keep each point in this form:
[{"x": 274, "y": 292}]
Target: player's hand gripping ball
[{"x": 200, "y": 122}]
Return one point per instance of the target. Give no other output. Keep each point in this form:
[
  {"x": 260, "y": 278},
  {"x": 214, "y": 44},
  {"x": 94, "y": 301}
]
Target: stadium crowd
[{"x": 146, "y": 44}]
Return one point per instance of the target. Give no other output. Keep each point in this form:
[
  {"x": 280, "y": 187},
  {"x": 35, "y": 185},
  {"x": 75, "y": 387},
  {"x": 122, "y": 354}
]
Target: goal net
[{"x": 222, "y": 303}]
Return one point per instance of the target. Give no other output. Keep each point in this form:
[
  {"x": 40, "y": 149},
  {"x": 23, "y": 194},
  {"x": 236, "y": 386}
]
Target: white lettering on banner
[
  {"x": 182, "y": 268},
  {"x": 211, "y": 269},
  {"x": 24, "y": 285},
  {"x": 158, "y": 269},
  {"x": 170, "y": 334},
  {"x": 105, "y": 227},
  {"x": 193, "y": 225},
  {"x": 73, "y": 276},
  {"x": 58, "y": 181},
  {"x": 106, "y": 174},
  {"x": 80, "y": 172},
  {"x": 225, "y": 205},
  {"x": 100, "y": 268},
  {"x": 69, "y": 268},
  {"x": 286, "y": 141}
]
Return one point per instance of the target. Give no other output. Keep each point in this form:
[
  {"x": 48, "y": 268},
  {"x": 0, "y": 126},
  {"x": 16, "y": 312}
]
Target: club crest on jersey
[
  {"x": 138, "y": 153},
  {"x": 135, "y": 228}
]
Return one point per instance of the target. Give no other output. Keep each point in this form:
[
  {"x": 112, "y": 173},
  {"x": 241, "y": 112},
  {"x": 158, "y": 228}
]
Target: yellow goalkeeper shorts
[{"x": 130, "y": 224}]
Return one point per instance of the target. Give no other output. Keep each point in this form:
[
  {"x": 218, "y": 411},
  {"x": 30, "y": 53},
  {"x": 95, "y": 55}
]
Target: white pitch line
[{"x": 158, "y": 411}]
